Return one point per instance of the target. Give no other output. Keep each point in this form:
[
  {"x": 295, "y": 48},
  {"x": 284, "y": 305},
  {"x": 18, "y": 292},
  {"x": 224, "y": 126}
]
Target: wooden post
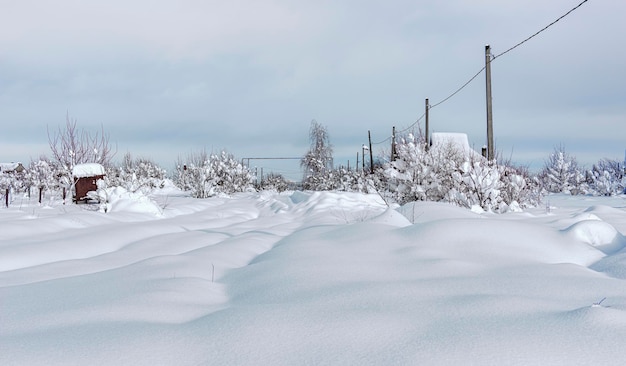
[
  {"x": 369, "y": 136},
  {"x": 490, "y": 153},
  {"x": 363, "y": 157},
  {"x": 64, "y": 195},
  {"x": 40, "y": 194},
  {"x": 6, "y": 198},
  {"x": 393, "y": 143},
  {"x": 426, "y": 123}
]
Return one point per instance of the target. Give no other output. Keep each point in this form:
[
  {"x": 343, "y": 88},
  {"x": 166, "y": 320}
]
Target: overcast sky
[{"x": 167, "y": 78}]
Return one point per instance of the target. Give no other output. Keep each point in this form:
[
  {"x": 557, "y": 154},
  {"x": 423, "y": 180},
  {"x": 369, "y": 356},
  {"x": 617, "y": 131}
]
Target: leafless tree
[
  {"x": 71, "y": 146},
  {"x": 319, "y": 159}
]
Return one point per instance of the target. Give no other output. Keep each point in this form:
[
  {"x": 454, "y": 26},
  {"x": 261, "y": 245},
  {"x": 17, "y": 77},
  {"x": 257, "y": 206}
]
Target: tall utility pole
[
  {"x": 369, "y": 136},
  {"x": 393, "y": 144},
  {"x": 426, "y": 123},
  {"x": 490, "y": 154}
]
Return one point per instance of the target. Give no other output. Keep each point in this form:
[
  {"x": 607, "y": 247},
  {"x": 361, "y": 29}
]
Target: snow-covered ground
[{"x": 312, "y": 279}]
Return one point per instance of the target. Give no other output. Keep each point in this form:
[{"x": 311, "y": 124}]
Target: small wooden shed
[{"x": 85, "y": 177}]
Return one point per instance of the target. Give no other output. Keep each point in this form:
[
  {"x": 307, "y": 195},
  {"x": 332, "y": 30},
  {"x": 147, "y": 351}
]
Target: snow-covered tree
[
  {"x": 561, "y": 173},
  {"x": 205, "y": 175},
  {"x": 606, "y": 177},
  {"x": 418, "y": 174},
  {"x": 317, "y": 162},
  {"x": 139, "y": 174},
  {"x": 47, "y": 176},
  {"x": 448, "y": 173}
]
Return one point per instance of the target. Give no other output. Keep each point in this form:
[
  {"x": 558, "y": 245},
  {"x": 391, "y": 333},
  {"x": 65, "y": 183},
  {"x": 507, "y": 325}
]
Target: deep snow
[{"x": 311, "y": 278}]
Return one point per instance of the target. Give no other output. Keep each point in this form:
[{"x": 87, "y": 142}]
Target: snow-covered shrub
[
  {"x": 137, "y": 175},
  {"x": 274, "y": 182},
  {"x": 519, "y": 187},
  {"x": 561, "y": 173},
  {"x": 448, "y": 173},
  {"x": 422, "y": 175},
  {"x": 205, "y": 175},
  {"x": 477, "y": 183},
  {"x": 606, "y": 178}
]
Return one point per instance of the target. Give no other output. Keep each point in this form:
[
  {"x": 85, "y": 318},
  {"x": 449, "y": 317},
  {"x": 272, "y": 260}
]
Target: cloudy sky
[{"x": 167, "y": 78}]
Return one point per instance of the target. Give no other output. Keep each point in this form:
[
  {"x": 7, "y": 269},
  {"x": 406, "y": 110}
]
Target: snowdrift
[{"x": 311, "y": 278}]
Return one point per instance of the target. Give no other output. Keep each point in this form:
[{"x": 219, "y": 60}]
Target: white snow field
[{"x": 312, "y": 279}]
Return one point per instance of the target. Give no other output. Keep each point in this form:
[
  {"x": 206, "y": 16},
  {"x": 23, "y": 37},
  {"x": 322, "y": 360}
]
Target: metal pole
[{"x": 490, "y": 153}]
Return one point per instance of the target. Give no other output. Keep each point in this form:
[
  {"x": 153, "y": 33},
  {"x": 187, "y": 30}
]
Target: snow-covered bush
[
  {"x": 606, "y": 178},
  {"x": 449, "y": 173},
  {"x": 561, "y": 173},
  {"x": 476, "y": 183},
  {"x": 137, "y": 175},
  {"x": 205, "y": 175},
  {"x": 419, "y": 174},
  {"x": 519, "y": 187},
  {"x": 274, "y": 182}
]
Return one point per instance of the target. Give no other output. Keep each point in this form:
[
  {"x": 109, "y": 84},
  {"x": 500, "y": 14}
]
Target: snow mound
[
  {"x": 596, "y": 233},
  {"x": 420, "y": 212},
  {"x": 508, "y": 242},
  {"x": 119, "y": 199}
]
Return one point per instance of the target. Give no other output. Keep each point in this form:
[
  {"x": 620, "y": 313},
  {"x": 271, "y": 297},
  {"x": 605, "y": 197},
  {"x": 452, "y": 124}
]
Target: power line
[
  {"x": 483, "y": 68},
  {"x": 459, "y": 89},
  {"x": 541, "y": 30},
  {"x": 507, "y": 51}
]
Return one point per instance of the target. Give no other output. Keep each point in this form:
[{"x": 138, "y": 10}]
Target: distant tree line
[{"x": 417, "y": 173}]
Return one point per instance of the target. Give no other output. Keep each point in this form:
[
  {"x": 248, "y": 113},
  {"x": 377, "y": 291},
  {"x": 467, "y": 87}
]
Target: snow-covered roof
[
  {"x": 456, "y": 139},
  {"x": 9, "y": 167},
  {"x": 87, "y": 170}
]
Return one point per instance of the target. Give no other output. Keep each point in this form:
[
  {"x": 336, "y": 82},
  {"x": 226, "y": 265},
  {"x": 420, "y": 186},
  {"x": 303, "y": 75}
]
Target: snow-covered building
[
  {"x": 11, "y": 167},
  {"x": 85, "y": 178},
  {"x": 457, "y": 140}
]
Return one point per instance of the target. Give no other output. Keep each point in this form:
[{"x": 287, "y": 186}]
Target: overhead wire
[
  {"x": 484, "y": 67},
  {"x": 539, "y": 31}
]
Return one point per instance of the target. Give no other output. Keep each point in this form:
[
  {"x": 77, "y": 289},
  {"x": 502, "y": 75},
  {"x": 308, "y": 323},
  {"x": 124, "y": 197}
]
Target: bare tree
[
  {"x": 318, "y": 160},
  {"x": 71, "y": 146}
]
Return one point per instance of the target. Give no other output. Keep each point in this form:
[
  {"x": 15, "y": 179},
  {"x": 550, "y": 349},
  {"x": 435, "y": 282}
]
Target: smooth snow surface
[{"x": 311, "y": 279}]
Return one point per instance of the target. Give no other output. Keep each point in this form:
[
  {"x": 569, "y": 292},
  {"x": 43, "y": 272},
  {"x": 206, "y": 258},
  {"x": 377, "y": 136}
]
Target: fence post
[{"x": 6, "y": 198}]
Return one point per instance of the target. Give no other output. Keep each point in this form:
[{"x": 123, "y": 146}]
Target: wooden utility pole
[
  {"x": 393, "y": 144},
  {"x": 490, "y": 154},
  {"x": 427, "y": 126},
  {"x": 369, "y": 136}
]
